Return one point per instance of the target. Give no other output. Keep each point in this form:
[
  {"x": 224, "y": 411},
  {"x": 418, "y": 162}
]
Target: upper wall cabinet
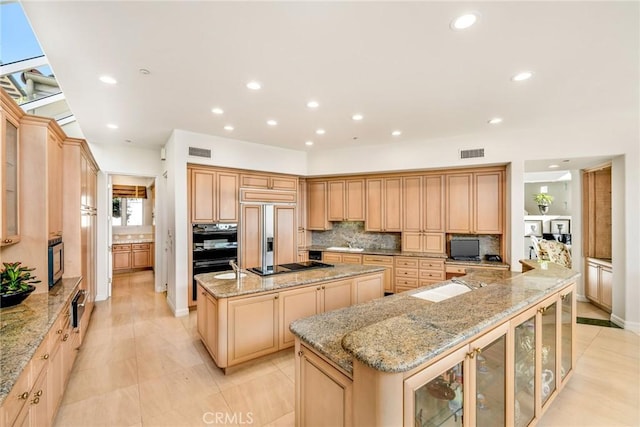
[
  {"x": 384, "y": 204},
  {"x": 214, "y": 196},
  {"x": 54, "y": 183},
  {"x": 423, "y": 199},
  {"x": 9, "y": 184},
  {"x": 270, "y": 182},
  {"x": 346, "y": 200},
  {"x": 475, "y": 202},
  {"x": 317, "y": 195}
]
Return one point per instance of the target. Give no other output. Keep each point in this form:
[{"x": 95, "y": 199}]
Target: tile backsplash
[{"x": 352, "y": 232}]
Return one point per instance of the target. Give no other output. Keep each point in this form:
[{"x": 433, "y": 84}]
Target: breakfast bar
[{"x": 491, "y": 347}]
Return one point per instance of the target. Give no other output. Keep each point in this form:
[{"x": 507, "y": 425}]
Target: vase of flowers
[
  {"x": 543, "y": 200},
  {"x": 16, "y": 283}
]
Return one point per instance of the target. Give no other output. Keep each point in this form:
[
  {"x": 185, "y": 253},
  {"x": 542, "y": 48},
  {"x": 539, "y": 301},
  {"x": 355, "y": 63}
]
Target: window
[{"x": 127, "y": 211}]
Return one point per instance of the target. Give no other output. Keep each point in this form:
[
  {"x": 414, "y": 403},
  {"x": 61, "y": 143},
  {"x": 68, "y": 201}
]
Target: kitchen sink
[
  {"x": 228, "y": 275},
  {"x": 345, "y": 249},
  {"x": 442, "y": 293}
]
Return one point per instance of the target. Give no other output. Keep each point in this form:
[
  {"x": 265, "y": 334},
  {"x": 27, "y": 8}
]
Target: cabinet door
[
  {"x": 393, "y": 204},
  {"x": 433, "y": 196},
  {"x": 121, "y": 260},
  {"x": 296, "y": 304},
  {"x": 331, "y": 257},
  {"x": 336, "y": 199},
  {"x": 254, "y": 181},
  {"x": 459, "y": 203},
  {"x": 591, "y": 282},
  {"x": 324, "y": 395},
  {"x": 525, "y": 370},
  {"x": 227, "y": 197},
  {"x": 411, "y": 242},
  {"x": 286, "y": 235},
  {"x": 54, "y": 184},
  {"x": 433, "y": 242},
  {"x": 567, "y": 330},
  {"x": 38, "y": 414},
  {"x": 606, "y": 286},
  {"x": 140, "y": 258},
  {"x": 354, "y": 200},
  {"x": 337, "y": 295},
  {"x": 317, "y": 206},
  {"x": 253, "y": 327},
  {"x": 374, "y": 201},
  {"x": 412, "y": 205},
  {"x": 368, "y": 288},
  {"x": 488, "y": 203},
  {"x": 382, "y": 261},
  {"x": 202, "y": 196},
  {"x": 202, "y": 313},
  {"x": 9, "y": 185},
  {"x": 549, "y": 352},
  {"x": 352, "y": 258},
  {"x": 212, "y": 326},
  {"x": 251, "y": 231},
  {"x": 283, "y": 183}
]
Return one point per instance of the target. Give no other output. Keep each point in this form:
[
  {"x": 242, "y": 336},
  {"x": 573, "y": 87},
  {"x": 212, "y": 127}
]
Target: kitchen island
[
  {"x": 240, "y": 319},
  {"x": 496, "y": 354}
]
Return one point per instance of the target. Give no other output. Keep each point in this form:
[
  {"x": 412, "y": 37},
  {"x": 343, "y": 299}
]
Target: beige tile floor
[{"x": 140, "y": 366}]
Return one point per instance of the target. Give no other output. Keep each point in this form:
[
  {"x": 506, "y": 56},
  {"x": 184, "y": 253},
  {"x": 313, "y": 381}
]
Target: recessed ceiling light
[
  {"x": 228, "y": 128},
  {"x": 313, "y": 104},
  {"x": 217, "y": 111},
  {"x": 272, "y": 122},
  {"x": 357, "y": 117},
  {"x": 254, "y": 85},
  {"x": 112, "y": 126},
  {"x": 396, "y": 133},
  {"x": 320, "y": 131},
  {"x": 309, "y": 143},
  {"x": 566, "y": 161},
  {"x": 521, "y": 76},
  {"x": 495, "y": 121},
  {"x": 144, "y": 71},
  {"x": 128, "y": 140},
  {"x": 464, "y": 21},
  {"x": 108, "y": 80},
  {"x": 554, "y": 166}
]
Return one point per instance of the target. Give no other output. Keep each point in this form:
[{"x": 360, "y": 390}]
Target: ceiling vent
[
  {"x": 471, "y": 154},
  {"x": 199, "y": 152}
]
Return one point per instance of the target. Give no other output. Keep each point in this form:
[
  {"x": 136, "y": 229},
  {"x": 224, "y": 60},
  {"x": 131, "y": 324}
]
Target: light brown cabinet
[
  {"x": 475, "y": 202},
  {"x": 423, "y": 203},
  {"x": 303, "y": 233},
  {"x": 121, "y": 257},
  {"x": 414, "y": 272},
  {"x": 317, "y": 218},
  {"x": 214, "y": 196},
  {"x": 324, "y": 394},
  {"x": 423, "y": 242},
  {"x": 346, "y": 200},
  {"x": 9, "y": 178},
  {"x": 207, "y": 321},
  {"x": 599, "y": 283},
  {"x": 383, "y": 204},
  {"x": 132, "y": 255},
  {"x": 341, "y": 258},
  {"x": 285, "y": 236},
  {"x": 141, "y": 255},
  {"x": 54, "y": 183},
  {"x": 269, "y": 182},
  {"x": 596, "y": 208},
  {"x": 385, "y": 261}
]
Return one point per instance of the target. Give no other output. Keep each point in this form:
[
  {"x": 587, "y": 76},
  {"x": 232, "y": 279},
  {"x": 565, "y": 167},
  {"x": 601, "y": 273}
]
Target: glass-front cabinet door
[
  {"x": 435, "y": 396},
  {"x": 524, "y": 345},
  {"x": 567, "y": 329},
  {"x": 9, "y": 230},
  {"x": 549, "y": 350}
]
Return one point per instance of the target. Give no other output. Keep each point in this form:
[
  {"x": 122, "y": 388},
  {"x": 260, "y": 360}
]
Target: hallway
[{"x": 140, "y": 366}]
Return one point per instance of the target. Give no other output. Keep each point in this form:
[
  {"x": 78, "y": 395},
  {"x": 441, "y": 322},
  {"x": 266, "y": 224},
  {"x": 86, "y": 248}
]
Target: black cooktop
[{"x": 289, "y": 268}]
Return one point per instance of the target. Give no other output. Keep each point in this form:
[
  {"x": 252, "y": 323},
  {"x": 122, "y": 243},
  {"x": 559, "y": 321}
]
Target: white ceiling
[{"x": 397, "y": 63}]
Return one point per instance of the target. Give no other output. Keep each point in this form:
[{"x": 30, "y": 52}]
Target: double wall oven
[{"x": 214, "y": 245}]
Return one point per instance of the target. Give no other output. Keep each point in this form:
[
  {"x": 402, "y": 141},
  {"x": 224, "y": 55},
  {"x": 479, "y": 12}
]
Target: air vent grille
[
  {"x": 199, "y": 152},
  {"x": 473, "y": 153}
]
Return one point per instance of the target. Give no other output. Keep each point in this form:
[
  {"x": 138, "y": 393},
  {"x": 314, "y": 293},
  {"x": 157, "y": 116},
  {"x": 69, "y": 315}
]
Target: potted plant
[
  {"x": 543, "y": 200},
  {"x": 16, "y": 283}
]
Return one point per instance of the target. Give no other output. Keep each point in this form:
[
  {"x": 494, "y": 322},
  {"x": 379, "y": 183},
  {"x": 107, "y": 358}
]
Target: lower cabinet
[
  {"x": 342, "y": 258},
  {"x": 238, "y": 329},
  {"x": 414, "y": 272},
  {"x": 599, "y": 283},
  {"x": 385, "y": 261},
  {"x": 133, "y": 255},
  {"x": 323, "y": 393},
  {"x": 455, "y": 270}
]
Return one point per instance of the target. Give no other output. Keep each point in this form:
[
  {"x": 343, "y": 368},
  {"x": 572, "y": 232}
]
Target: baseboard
[
  {"x": 630, "y": 326},
  {"x": 175, "y": 311},
  {"x": 581, "y": 298},
  {"x": 101, "y": 297}
]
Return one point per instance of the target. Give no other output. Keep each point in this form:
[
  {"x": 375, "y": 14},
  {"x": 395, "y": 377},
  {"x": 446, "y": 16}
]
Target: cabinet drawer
[
  {"x": 352, "y": 259},
  {"x": 431, "y": 275},
  {"x": 406, "y": 273},
  {"x": 121, "y": 248},
  {"x": 431, "y": 264},
  {"x": 140, "y": 246},
  {"x": 377, "y": 260},
  {"x": 455, "y": 269},
  {"x": 406, "y": 283},
  {"x": 331, "y": 257},
  {"x": 406, "y": 262}
]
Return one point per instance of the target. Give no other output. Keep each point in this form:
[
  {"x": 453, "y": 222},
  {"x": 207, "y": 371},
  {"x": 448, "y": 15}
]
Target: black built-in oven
[{"x": 214, "y": 245}]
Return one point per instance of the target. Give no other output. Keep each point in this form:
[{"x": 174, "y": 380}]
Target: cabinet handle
[
  {"x": 277, "y": 296},
  {"x": 66, "y": 337},
  {"x": 300, "y": 353},
  {"x": 318, "y": 288},
  {"x": 478, "y": 350},
  {"x": 35, "y": 401},
  {"x": 322, "y": 287},
  {"x": 59, "y": 331},
  {"x": 542, "y": 310},
  {"x": 46, "y": 356},
  {"x": 24, "y": 396},
  {"x": 471, "y": 354},
  {"x": 38, "y": 393},
  {"x": 564, "y": 297},
  {"x": 8, "y": 240}
]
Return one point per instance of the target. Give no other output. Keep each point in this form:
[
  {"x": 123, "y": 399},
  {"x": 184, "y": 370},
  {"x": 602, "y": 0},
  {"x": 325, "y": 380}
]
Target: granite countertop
[
  {"x": 252, "y": 283},
  {"x": 401, "y": 332},
  {"x": 23, "y": 327},
  {"x": 129, "y": 241}
]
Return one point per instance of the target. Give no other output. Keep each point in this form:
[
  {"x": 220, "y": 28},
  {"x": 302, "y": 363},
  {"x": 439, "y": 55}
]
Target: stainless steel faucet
[
  {"x": 235, "y": 268},
  {"x": 474, "y": 286}
]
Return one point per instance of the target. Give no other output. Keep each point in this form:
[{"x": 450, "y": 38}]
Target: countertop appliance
[
  {"x": 214, "y": 245},
  {"x": 56, "y": 260},
  {"x": 289, "y": 268}
]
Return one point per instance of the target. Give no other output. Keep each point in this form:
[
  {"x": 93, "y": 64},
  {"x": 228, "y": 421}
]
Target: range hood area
[{"x": 288, "y": 268}]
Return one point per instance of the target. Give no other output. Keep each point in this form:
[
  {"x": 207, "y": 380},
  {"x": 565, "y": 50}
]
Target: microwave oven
[{"x": 56, "y": 260}]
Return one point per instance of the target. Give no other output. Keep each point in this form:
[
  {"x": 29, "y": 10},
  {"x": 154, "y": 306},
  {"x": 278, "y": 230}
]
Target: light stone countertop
[
  {"x": 23, "y": 327},
  {"x": 254, "y": 284},
  {"x": 401, "y": 332},
  {"x": 129, "y": 241}
]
